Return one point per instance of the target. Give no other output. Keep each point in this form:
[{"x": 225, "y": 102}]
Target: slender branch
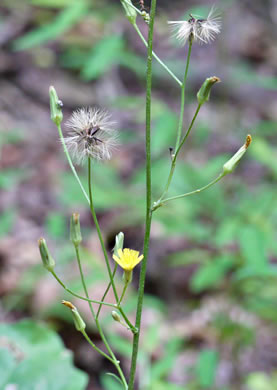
[
  {"x": 71, "y": 163},
  {"x": 190, "y": 193},
  {"x": 148, "y": 198},
  {"x": 95, "y": 347},
  {"x": 103, "y": 337},
  {"x": 156, "y": 57},
  {"x": 126, "y": 319},
  {"x": 123, "y": 293},
  {"x": 106, "y": 292},
  {"x": 173, "y": 164},
  {"x": 79, "y": 296},
  {"x": 99, "y": 231},
  {"x": 181, "y": 118}
]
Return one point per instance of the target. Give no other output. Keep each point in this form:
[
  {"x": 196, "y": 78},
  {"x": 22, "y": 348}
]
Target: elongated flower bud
[
  {"x": 203, "y": 94},
  {"x": 231, "y": 164},
  {"x": 116, "y": 316},
  {"x": 119, "y": 241},
  {"x": 75, "y": 229},
  {"x": 47, "y": 259},
  {"x": 131, "y": 13},
  {"x": 55, "y": 107},
  {"x": 78, "y": 321}
]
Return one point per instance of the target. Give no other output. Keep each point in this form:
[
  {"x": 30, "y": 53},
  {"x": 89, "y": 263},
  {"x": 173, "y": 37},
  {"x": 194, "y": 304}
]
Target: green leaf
[
  {"x": 164, "y": 132},
  {"x": 206, "y": 366},
  {"x": 56, "y": 225},
  {"x": 102, "y": 57},
  {"x": 211, "y": 273},
  {"x": 7, "y": 220},
  {"x": 65, "y": 20},
  {"x": 163, "y": 366},
  {"x": 252, "y": 245},
  {"x": 40, "y": 359},
  {"x": 109, "y": 383},
  {"x": 51, "y": 3}
]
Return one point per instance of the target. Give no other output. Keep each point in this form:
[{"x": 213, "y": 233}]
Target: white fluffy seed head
[
  {"x": 200, "y": 30},
  {"x": 91, "y": 134}
]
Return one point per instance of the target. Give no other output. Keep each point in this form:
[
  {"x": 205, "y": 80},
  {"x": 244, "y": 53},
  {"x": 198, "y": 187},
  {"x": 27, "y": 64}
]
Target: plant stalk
[
  {"x": 183, "y": 90},
  {"x": 99, "y": 231},
  {"x": 148, "y": 197}
]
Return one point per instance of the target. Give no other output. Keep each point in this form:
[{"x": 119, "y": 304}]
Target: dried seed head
[
  {"x": 91, "y": 134},
  {"x": 200, "y": 30}
]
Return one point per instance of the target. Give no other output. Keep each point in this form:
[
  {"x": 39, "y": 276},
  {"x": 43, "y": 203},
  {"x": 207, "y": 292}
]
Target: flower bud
[
  {"x": 116, "y": 316},
  {"x": 75, "y": 229},
  {"x": 131, "y": 13},
  {"x": 119, "y": 241},
  {"x": 47, "y": 259},
  {"x": 231, "y": 164},
  {"x": 78, "y": 321},
  {"x": 203, "y": 94},
  {"x": 55, "y": 106}
]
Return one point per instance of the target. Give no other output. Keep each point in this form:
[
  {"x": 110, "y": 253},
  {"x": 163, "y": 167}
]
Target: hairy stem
[{"x": 148, "y": 197}]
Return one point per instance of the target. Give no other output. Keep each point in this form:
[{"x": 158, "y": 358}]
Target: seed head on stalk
[
  {"x": 198, "y": 29},
  {"x": 91, "y": 134}
]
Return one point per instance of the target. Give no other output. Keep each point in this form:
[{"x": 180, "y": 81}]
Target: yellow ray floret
[{"x": 127, "y": 258}]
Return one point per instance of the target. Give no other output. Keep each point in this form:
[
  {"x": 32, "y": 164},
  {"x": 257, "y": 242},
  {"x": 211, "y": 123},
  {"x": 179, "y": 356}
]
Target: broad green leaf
[
  {"x": 40, "y": 359},
  {"x": 211, "y": 273},
  {"x": 7, "y": 220},
  {"x": 65, "y": 20},
  {"x": 252, "y": 245},
  {"x": 56, "y": 225},
  {"x": 164, "y": 132},
  {"x": 206, "y": 366},
  {"x": 163, "y": 366},
  {"x": 102, "y": 57}
]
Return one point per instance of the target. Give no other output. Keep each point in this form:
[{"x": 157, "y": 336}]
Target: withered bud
[
  {"x": 231, "y": 164},
  {"x": 75, "y": 229},
  {"x": 55, "y": 107},
  {"x": 78, "y": 321},
  {"x": 203, "y": 94},
  {"x": 47, "y": 259}
]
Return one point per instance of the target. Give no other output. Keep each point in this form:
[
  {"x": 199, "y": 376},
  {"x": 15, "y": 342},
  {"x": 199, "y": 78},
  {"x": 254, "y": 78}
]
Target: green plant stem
[
  {"x": 123, "y": 293},
  {"x": 183, "y": 90},
  {"x": 99, "y": 231},
  {"x": 71, "y": 163},
  {"x": 79, "y": 296},
  {"x": 195, "y": 191},
  {"x": 173, "y": 163},
  {"x": 148, "y": 198},
  {"x": 95, "y": 347},
  {"x": 103, "y": 337},
  {"x": 117, "y": 306},
  {"x": 156, "y": 57},
  {"x": 106, "y": 291},
  {"x": 126, "y": 319}
]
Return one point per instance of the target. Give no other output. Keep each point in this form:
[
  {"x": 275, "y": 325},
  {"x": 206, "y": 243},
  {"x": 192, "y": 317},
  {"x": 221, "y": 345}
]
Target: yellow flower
[{"x": 127, "y": 258}]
